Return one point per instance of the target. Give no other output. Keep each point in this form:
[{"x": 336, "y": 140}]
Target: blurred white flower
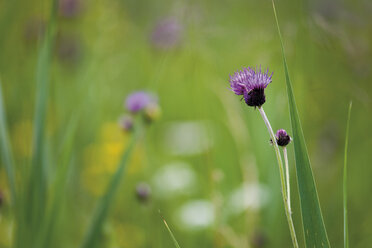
[
  {"x": 188, "y": 138},
  {"x": 174, "y": 179},
  {"x": 248, "y": 195},
  {"x": 196, "y": 215}
]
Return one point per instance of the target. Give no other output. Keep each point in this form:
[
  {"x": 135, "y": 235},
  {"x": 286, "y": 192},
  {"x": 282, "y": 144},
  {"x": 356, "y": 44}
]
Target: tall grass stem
[{"x": 346, "y": 228}]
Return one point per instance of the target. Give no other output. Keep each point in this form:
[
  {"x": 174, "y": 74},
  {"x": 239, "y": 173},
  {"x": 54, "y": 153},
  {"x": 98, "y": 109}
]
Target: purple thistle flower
[
  {"x": 282, "y": 137},
  {"x": 139, "y": 100},
  {"x": 251, "y": 83}
]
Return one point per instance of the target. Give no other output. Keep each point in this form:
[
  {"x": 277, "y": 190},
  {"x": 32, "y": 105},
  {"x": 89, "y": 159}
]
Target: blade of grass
[
  {"x": 170, "y": 232},
  {"x": 6, "y": 150},
  {"x": 312, "y": 219},
  {"x": 34, "y": 202},
  {"x": 346, "y": 228},
  {"x": 52, "y": 217},
  {"x": 94, "y": 230},
  {"x": 42, "y": 87}
]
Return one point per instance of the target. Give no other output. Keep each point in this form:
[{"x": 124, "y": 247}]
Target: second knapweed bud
[{"x": 282, "y": 137}]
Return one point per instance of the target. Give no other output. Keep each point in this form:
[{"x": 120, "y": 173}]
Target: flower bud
[{"x": 282, "y": 138}]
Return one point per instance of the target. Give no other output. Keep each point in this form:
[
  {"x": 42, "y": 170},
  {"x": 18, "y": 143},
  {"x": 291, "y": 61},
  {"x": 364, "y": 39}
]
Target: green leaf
[
  {"x": 95, "y": 229},
  {"x": 170, "y": 232},
  {"x": 312, "y": 219},
  {"x": 346, "y": 228},
  {"x": 59, "y": 186},
  {"x": 33, "y": 194},
  {"x": 37, "y": 177},
  {"x": 6, "y": 150}
]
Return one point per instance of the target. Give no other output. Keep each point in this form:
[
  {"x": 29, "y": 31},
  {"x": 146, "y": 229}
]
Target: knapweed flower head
[
  {"x": 251, "y": 84},
  {"x": 138, "y": 101},
  {"x": 142, "y": 106},
  {"x": 282, "y": 137}
]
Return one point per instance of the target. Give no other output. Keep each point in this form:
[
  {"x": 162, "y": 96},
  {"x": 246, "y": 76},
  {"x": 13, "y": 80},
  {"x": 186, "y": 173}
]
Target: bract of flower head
[
  {"x": 282, "y": 137},
  {"x": 251, "y": 83},
  {"x": 138, "y": 101},
  {"x": 152, "y": 112}
]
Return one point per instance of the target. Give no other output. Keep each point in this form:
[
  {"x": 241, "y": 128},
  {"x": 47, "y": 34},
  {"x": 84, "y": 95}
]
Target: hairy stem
[{"x": 282, "y": 178}]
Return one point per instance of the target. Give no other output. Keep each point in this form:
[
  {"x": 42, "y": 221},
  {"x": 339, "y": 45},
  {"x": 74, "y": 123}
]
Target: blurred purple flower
[
  {"x": 143, "y": 192},
  {"x": 69, "y": 49},
  {"x": 282, "y": 137},
  {"x": 33, "y": 30},
  {"x": 259, "y": 239},
  {"x": 126, "y": 123},
  {"x": 167, "y": 33},
  {"x": 251, "y": 83},
  {"x": 69, "y": 8},
  {"x": 138, "y": 101}
]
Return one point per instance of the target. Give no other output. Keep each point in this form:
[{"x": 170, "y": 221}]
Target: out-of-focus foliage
[{"x": 207, "y": 160}]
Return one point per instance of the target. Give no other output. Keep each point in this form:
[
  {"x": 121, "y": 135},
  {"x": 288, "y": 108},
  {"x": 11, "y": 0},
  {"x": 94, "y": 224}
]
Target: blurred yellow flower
[{"x": 101, "y": 158}]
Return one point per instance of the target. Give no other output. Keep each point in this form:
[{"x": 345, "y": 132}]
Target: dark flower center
[
  {"x": 283, "y": 140},
  {"x": 256, "y": 97}
]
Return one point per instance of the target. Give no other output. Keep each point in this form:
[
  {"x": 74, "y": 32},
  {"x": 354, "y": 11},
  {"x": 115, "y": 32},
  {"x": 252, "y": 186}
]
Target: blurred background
[{"x": 206, "y": 164}]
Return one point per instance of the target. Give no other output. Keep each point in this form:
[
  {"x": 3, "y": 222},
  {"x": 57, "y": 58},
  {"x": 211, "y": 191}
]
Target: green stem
[
  {"x": 282, "y": 178},
  {"x": 346, "y": 231},
  {"x": 287, "y": 177}
]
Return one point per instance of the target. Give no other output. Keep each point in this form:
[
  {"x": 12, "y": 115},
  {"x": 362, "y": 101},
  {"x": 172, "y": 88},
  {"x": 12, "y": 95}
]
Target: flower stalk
[
  {"x": 285, "y": 154},
  {"x": 282, "y": 178}
]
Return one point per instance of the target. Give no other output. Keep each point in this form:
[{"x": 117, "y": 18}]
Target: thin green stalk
[
  {"x": 285, "y": 154},
  {"x": 36, "y": 192},
  {"x": 312, "y": 218},
  {"x": 282, "y": 178},
  {"x": 170, "y": 232},
  {"x": 346, "y": 228}
]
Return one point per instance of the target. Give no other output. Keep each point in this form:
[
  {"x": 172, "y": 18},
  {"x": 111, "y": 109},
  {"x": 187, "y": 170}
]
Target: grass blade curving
[
  {"x": 346, "y": 228},
  {"x": 312, "y": 219},
  {"x": 53, "y": 214},
  {"x": 94, "y": 230},
  {"x": 170, "y": 232},
  {"x": 5, "y": 149},
  {"x": 34, "y": 193}
]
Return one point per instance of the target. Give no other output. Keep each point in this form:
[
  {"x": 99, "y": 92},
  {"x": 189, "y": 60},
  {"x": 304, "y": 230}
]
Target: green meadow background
[{"x": 207, "y": 159}]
